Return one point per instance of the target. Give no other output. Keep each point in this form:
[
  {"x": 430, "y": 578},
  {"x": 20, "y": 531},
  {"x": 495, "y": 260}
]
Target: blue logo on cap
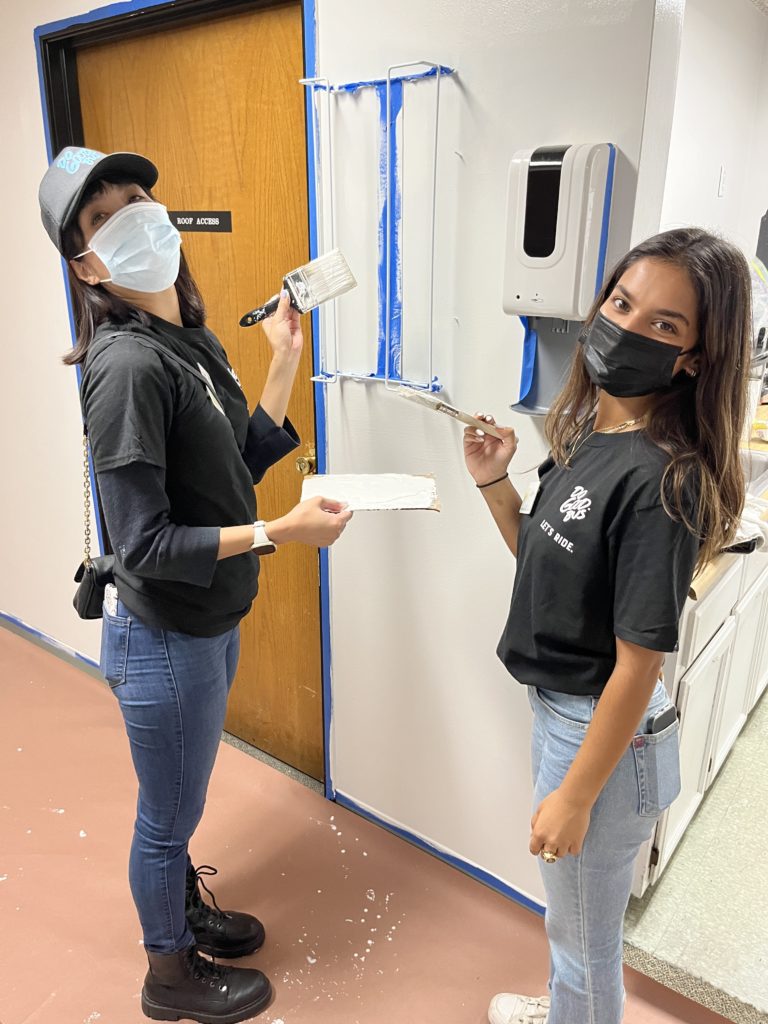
[{"x": 72, "y": 159}]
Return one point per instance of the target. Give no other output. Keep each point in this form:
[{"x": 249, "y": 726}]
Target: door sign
[{"x": 201, "y": 220}]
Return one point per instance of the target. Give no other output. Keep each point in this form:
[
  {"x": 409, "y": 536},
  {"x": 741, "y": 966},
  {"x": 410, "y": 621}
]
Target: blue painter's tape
[
  {"x": 394, "y": 258},
  {"x": 48, "y": 640},
  {"x": 381, "y": 364},
  {"x": 606, "y": 218},
  {"x": 376, "y": 82},
  {"x": 321, "y": 434},
  {"x": 468, "y": 869},
  {"x": 390, "y": 268},
  {"x": 530, "y": 344},
  {"x": 389, "y": 271}
]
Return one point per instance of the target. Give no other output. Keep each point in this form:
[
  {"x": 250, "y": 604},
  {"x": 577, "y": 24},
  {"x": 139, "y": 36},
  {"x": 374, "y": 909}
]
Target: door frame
[{"x": 56, "y": 45}]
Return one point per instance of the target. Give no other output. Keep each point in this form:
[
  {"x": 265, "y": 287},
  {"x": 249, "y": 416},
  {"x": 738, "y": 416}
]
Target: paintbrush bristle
[{"x": 325, "y": 278}]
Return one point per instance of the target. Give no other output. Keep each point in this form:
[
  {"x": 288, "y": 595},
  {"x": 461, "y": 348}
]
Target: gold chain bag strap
[{"x": 93, "y": 574}]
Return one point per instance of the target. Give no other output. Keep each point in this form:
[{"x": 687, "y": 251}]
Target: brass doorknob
[{"x": 307, "y": 464}]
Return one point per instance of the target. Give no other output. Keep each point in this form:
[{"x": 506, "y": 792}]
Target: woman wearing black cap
[{"x": 176, "y": 454}]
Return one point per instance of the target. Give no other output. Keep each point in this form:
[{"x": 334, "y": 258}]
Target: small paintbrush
[
  {"x": 438, "y": 405},
  {"x": 325, "y": 278}
]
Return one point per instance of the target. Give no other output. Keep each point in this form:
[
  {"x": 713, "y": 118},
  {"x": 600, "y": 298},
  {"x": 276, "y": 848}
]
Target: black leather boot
[
  {"x": 187, "y": 986},
  {"x": 223, "y": 934}
]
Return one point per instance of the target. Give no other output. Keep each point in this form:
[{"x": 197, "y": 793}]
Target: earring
[{"x": 691, "y": 373}]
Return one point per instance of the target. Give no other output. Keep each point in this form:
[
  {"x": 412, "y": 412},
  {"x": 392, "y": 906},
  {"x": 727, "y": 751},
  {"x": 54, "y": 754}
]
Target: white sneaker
[{"x": 507, "y": 1008}]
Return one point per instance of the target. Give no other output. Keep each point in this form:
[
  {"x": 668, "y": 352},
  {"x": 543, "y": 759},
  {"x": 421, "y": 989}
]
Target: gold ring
[{"x": 548, "y": 857}]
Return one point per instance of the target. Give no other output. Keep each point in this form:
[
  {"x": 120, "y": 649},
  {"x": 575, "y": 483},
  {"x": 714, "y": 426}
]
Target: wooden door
[{"x": 217, "y": 106}]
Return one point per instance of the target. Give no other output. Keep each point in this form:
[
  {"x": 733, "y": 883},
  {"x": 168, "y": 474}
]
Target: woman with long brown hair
[
  {"x": 643, "y": 484},
  {"x": 176, "y": 453}
]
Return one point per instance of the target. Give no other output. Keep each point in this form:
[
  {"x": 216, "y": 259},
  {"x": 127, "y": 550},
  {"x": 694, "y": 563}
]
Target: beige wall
[
  {"x": 40, "y": 429},
  {"x": 720, "y": 120}
]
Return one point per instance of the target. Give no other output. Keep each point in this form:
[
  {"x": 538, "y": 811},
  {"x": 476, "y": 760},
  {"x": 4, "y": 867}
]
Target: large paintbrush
[{"x": 323, "y": 279}]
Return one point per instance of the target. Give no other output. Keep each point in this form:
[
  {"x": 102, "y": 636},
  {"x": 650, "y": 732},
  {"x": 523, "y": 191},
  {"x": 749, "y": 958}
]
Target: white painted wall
[
  {"x": 720, "y": 121},
  {"x": 40, "y": 427},
  {"x": 429, "y": 731}
]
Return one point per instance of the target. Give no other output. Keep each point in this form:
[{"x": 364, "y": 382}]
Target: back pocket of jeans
[
  {"x": 657, "y": 760},
  {"x": 115, "y": 631}
]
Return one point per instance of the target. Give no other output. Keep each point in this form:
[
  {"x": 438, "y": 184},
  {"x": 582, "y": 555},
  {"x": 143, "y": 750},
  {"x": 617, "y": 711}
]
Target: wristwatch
[{"x": 262, "y": 545}]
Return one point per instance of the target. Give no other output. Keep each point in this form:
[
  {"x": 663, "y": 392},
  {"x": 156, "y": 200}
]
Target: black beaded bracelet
[{"x": 490, "y": 483}]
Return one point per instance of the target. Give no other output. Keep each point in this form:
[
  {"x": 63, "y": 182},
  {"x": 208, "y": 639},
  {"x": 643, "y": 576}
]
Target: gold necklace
[{"x": 604, "y": 430}]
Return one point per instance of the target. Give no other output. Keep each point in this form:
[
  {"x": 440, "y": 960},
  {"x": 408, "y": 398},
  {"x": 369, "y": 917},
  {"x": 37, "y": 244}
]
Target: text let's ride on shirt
[{"x": 598, "y": 558}]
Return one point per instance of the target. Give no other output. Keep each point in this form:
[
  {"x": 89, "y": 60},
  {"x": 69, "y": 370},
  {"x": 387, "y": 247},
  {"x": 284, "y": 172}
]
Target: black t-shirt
[
  {"x": 598, "y": 558},
  {"x": 176, "y": 458}
]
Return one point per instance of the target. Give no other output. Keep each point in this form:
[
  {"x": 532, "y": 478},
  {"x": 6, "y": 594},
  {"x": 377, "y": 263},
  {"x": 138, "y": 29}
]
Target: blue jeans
[
  {"x": 172, "y": 689},
  {"x": 587, "y": 895}
]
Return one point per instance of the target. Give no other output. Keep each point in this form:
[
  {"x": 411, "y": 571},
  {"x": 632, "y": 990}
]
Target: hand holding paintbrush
[{"x": 283, "y": 329}]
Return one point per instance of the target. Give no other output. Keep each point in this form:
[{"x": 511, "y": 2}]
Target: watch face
[{"x": 262, "y": 545}]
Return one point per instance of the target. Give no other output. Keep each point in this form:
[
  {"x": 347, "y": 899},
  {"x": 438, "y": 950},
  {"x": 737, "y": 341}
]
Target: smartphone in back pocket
[{"x": 662, "y": 720}]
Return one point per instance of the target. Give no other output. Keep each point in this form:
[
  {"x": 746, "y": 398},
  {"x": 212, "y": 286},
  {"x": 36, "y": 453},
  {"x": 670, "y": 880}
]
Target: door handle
[{"x": 307, "y": 464}]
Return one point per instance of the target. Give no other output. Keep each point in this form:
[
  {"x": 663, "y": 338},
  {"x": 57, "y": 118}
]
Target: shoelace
[
  {"x": 194, "y": 896},
  {"x": 534, "y": 1008},
  {"x": 208, "y": 970}
]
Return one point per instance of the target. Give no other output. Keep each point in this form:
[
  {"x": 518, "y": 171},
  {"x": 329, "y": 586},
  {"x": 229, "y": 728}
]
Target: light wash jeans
[
  {"x": 587, "y": 895},
  {"x": 172, "y": 689}
]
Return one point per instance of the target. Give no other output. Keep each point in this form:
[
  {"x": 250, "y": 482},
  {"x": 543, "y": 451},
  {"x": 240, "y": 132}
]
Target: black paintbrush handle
[{"x": 260, "y": 313}]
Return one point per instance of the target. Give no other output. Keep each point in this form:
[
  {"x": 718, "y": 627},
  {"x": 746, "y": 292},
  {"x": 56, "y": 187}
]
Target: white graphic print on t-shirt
[{"x": 577, "y": 506}]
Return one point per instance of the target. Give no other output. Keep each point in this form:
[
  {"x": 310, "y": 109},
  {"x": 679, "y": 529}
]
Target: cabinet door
[
  {"x": 760, "y": 668},
  {"x": 705, "y": 616},
  {"x": 738, "y": 684},
  {"x": 697, "y": 704},
  {"x": 754, "y": 566}
]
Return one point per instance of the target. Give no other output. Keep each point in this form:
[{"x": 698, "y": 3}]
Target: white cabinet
[
  {"x": 760, "y": 665},
  {"x": 715, "y": 679},
  {"x": 734, "y": 697},
  {"x": 754, "y": 566},
  {"x": 697, "y": 696},
  {"x": 703, "y": 618}
]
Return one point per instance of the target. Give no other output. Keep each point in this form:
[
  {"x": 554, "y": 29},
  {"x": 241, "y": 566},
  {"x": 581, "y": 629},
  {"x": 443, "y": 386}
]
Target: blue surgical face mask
[{"x": 139, "y": 247}]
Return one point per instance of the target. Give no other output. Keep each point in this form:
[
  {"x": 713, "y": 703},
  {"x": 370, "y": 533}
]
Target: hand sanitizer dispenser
[{"x": 558, "y": 208}]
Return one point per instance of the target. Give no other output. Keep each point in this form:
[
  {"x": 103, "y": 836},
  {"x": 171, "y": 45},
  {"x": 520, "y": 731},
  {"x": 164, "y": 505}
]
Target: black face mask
[{"x": 625, "y": 364}]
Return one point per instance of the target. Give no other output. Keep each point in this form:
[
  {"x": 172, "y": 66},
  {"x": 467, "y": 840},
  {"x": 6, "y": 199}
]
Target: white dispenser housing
[{"x": 558, "y": 209}]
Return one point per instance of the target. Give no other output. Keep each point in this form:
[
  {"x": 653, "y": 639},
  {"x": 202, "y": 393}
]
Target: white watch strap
[{"x": 261, "y": 541}]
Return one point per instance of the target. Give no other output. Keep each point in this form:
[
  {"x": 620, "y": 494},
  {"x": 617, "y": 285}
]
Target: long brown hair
[
  {"x": 94, "y": 305},
  {"x": 697, "y": 421}
]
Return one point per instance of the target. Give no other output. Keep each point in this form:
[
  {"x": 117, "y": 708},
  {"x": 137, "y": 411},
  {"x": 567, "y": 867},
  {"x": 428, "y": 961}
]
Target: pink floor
[{"x": 362, "y": 928}]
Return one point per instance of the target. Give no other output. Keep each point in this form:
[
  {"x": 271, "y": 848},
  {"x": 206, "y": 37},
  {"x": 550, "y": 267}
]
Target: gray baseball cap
[{"x": 70, "y": 173}]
